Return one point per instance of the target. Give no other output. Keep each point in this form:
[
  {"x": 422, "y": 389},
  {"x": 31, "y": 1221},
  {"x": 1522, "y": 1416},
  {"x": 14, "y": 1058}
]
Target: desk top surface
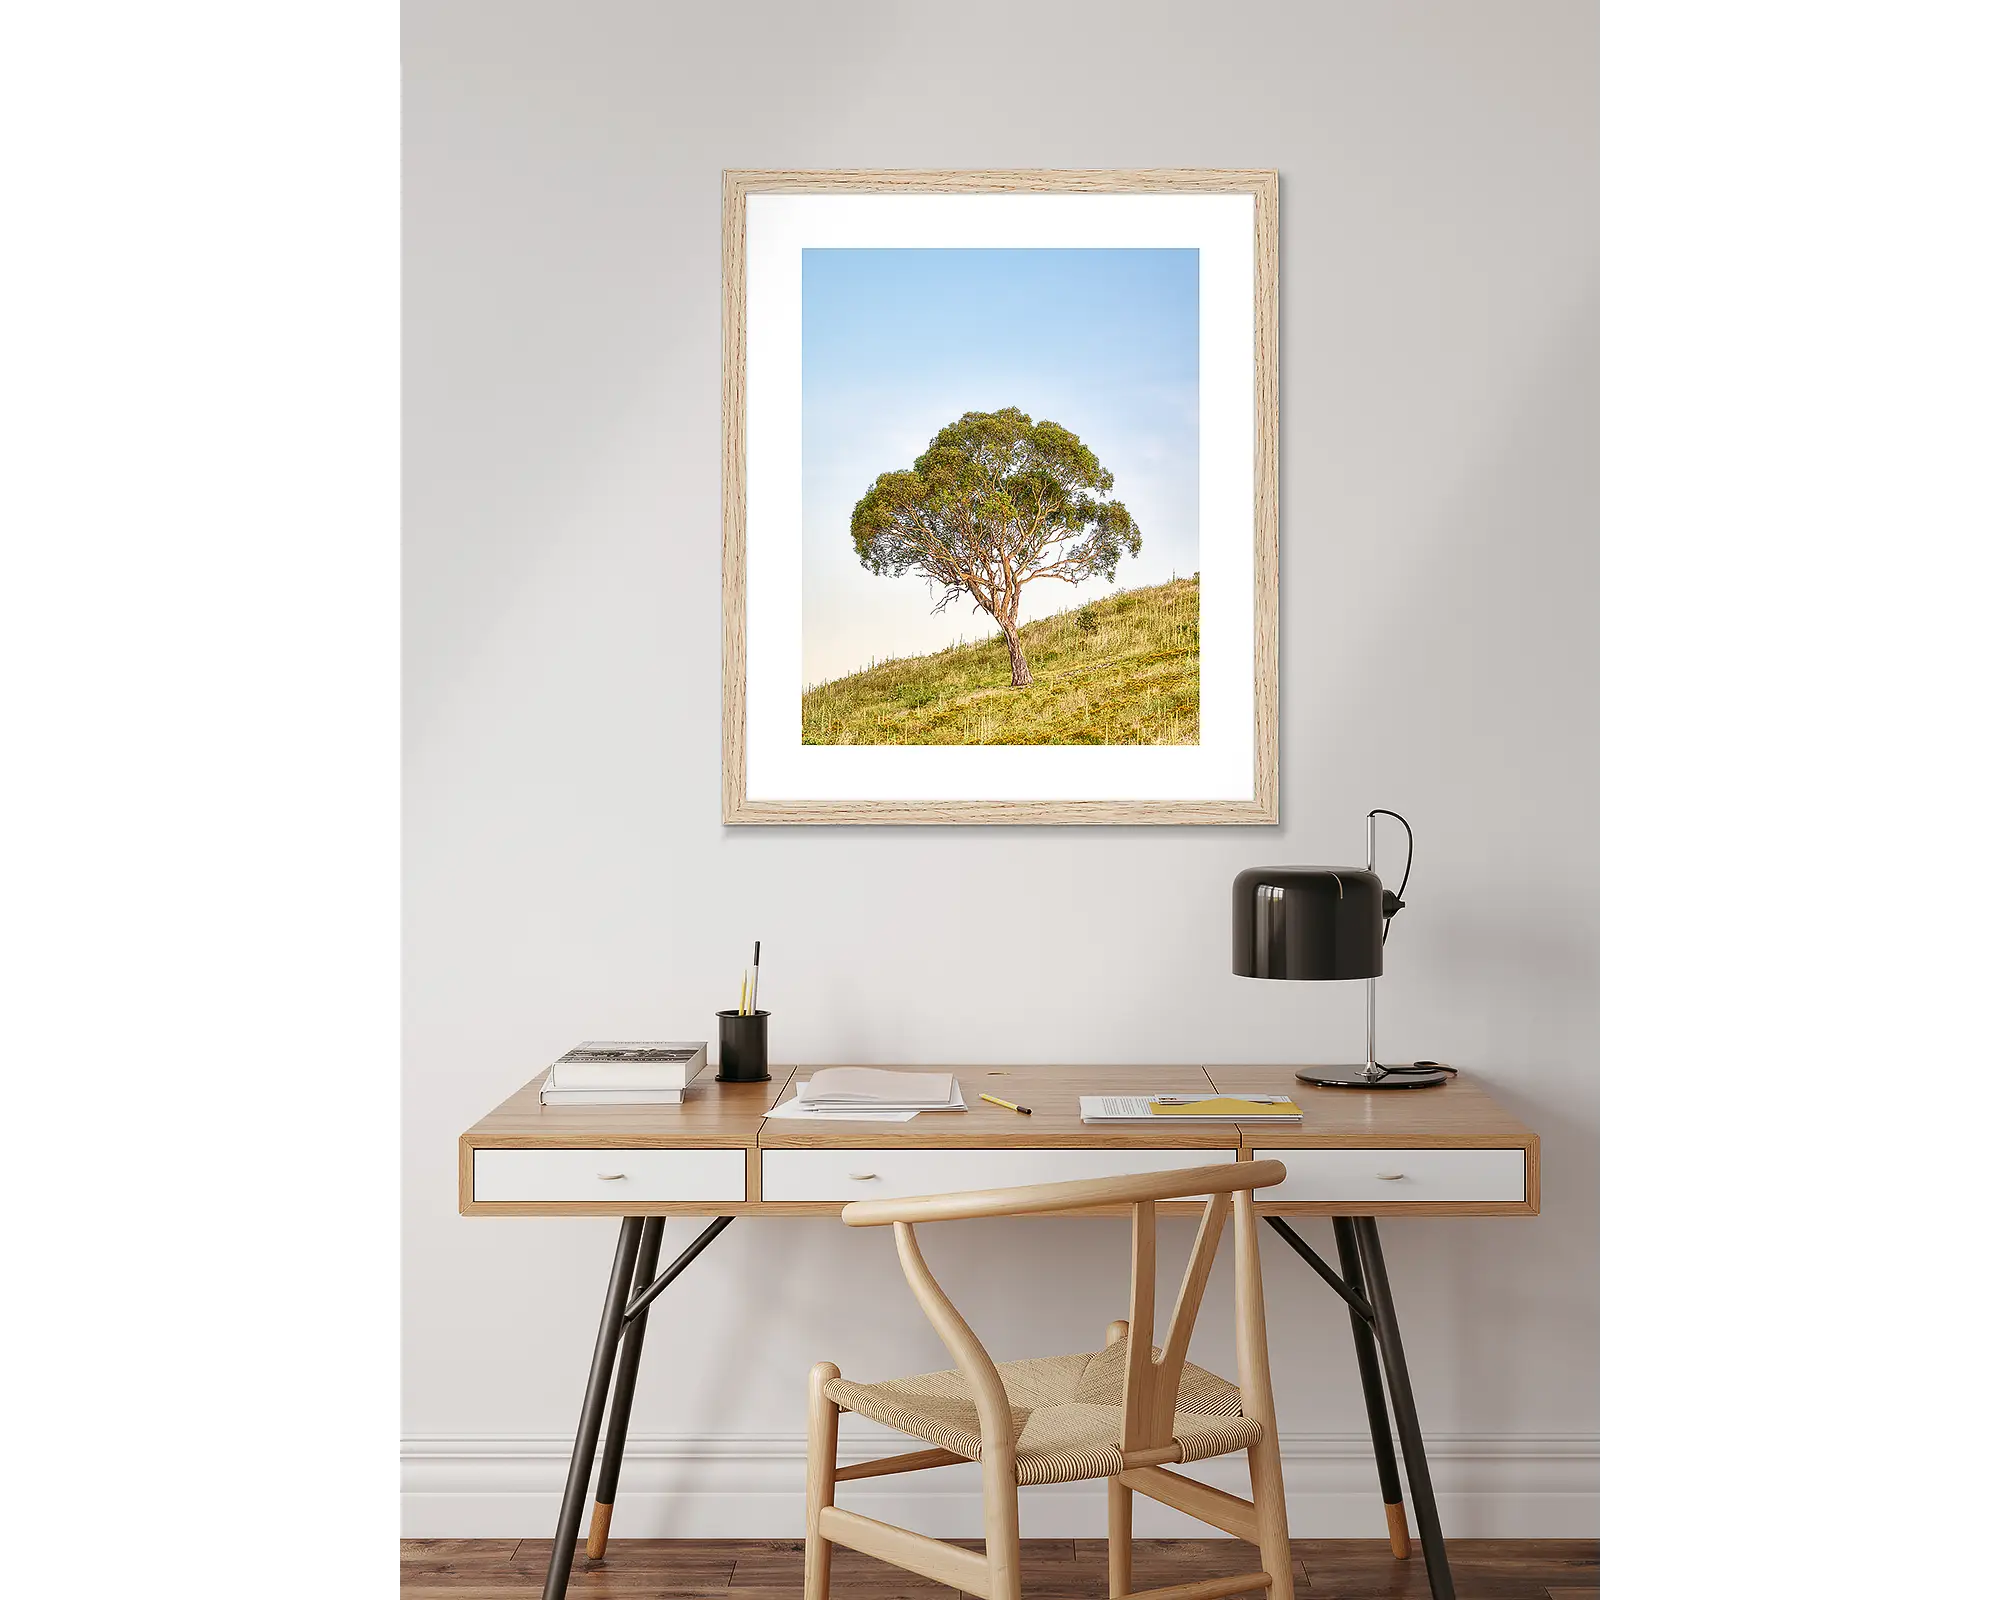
[{"x": 733, "y": 1115}]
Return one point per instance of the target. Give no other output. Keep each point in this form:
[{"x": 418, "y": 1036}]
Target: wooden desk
[
  {"x": 1359, "y": 1155},
  {"x": 1457, "y": 1153}
]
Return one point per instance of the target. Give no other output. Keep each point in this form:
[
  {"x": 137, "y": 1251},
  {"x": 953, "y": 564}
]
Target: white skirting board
[{"x": 752, "y": 1486}]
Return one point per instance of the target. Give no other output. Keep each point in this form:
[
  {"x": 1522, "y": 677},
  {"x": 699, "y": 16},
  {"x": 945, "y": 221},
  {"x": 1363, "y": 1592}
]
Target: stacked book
[{"x": 613, "y": 1073}]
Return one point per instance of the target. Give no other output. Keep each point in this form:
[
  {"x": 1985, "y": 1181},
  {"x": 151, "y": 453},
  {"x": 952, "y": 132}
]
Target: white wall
[{"x": 567, "y": 875}]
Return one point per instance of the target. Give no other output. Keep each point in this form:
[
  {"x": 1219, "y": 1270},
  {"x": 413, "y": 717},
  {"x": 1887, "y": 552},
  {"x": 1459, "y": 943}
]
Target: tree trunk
[{"x": 1017, "y": 658}]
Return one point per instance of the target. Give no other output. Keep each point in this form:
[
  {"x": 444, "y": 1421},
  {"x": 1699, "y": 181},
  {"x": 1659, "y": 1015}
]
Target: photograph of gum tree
[{"x": 986, "y": 434}]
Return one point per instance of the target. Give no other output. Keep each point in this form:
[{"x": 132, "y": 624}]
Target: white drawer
[
  {"x": 1398, "y": 1177},
  {"x": 894, "y": 1174},
  {"x": 608, "y": 1175}
]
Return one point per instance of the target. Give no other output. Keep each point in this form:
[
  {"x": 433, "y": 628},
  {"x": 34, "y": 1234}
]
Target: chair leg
[
  {"x": 1000, "y": 1490},
  {"x": 1120, "y": 1540},
  {"x": 1267, "y": 1493},
  {"x": 1253, "y": 1373},
  {"x": 1003, "y": 1528},
  {"x": 822, "y": 1442},
  {"x": 1119, "y": 1537}
]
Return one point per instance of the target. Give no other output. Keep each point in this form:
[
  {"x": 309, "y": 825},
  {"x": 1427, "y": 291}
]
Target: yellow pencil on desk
[{"x": 994, "y": 1099}]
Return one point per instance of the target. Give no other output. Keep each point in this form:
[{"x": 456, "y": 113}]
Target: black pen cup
[{"x": 745, "y": 1055}]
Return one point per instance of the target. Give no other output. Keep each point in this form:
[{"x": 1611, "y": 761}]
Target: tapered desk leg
[
  {"x": 598, "y": 1386},
  {"x": 621, "y": 1393},
  {"x": 1371, "y": 1395},
  {"x": 1375, "y": 1276}
]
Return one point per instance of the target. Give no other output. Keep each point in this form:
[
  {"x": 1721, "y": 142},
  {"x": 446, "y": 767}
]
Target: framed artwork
[{"x": 1000, "y": 480}]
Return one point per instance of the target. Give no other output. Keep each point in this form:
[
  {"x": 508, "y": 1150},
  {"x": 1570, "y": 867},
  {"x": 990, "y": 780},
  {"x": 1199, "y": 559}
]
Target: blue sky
[{"x": 897, "y": 343}]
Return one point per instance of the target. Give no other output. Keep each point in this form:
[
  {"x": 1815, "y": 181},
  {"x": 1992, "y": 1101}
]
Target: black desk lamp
[{"x": 1317, "y": 923}]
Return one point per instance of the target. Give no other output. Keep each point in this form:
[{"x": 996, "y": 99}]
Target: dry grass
[{"x": 1122, "y": 670}]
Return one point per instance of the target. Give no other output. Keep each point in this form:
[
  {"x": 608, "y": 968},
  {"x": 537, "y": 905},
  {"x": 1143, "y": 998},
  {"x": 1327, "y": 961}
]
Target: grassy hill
[{"x": 1122, "y": 670}]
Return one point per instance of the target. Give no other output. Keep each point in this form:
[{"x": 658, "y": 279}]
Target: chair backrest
[{"x": 1151, "y": 1382}]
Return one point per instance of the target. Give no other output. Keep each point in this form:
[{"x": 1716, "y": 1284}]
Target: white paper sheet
[
  {"x": 876, "y": 1108},
  {"x": 792, "y": 1110},
  {"x": 877, "y": 1086}
]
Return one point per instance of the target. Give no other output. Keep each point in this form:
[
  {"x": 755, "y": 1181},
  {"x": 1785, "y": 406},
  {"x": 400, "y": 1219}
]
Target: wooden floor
[{"x": 1053, "y": 1569}]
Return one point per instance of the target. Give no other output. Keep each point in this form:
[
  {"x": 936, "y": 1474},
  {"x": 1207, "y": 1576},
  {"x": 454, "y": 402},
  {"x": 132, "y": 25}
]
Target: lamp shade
[{"x": 1307, "y": 922}]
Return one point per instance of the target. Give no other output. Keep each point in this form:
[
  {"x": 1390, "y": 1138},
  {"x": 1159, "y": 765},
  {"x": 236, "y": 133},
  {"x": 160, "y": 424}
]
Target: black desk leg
[
  {"x": 599, "y": 1385},
  {"x": 621, "y": 1393},
  {"x": 1371, "y": 1394},
  {"x": 1375, "y": 1276}
]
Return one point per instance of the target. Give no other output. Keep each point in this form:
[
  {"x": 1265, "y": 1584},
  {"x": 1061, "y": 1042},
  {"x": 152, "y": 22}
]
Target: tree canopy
[{"x": 997, "y": 501}]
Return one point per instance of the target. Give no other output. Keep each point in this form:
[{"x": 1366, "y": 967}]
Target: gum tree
[{"x": 998, "y": 501}]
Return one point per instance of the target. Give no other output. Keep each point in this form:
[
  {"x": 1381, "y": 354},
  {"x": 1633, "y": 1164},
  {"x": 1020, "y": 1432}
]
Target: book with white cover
[
  {"x": 612, "y": 1064},
  {"x": 554, "y": 1095}
]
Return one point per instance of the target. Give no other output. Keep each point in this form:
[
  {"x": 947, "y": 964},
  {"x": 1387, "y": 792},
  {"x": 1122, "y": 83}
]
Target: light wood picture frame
[{"x": 1186, "y": 732}]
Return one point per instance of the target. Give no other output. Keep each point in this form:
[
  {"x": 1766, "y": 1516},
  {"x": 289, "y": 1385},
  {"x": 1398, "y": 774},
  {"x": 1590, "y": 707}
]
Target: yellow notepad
[{"x": 1224, "y": 1105}]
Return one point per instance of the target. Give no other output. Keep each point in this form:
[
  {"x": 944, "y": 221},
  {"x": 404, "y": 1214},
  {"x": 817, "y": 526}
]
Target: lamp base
[{"x": 1417, "y": 1075}]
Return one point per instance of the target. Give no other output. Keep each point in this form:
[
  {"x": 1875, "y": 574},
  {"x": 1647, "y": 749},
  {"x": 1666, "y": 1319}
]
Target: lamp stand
[{"x": 1371, "y": 1074}]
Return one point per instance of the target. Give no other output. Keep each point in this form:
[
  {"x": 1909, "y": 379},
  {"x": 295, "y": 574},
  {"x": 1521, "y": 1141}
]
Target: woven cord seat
[{"x": 1067, "y": 1411}]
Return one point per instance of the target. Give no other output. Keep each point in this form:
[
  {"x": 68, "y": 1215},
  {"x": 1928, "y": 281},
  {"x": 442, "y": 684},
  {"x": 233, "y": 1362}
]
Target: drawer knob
[
  {"x": 1388, "y": 1177},
  {"x": 608, "y": 1176},
  {"x": 861, "y": 1177}
]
